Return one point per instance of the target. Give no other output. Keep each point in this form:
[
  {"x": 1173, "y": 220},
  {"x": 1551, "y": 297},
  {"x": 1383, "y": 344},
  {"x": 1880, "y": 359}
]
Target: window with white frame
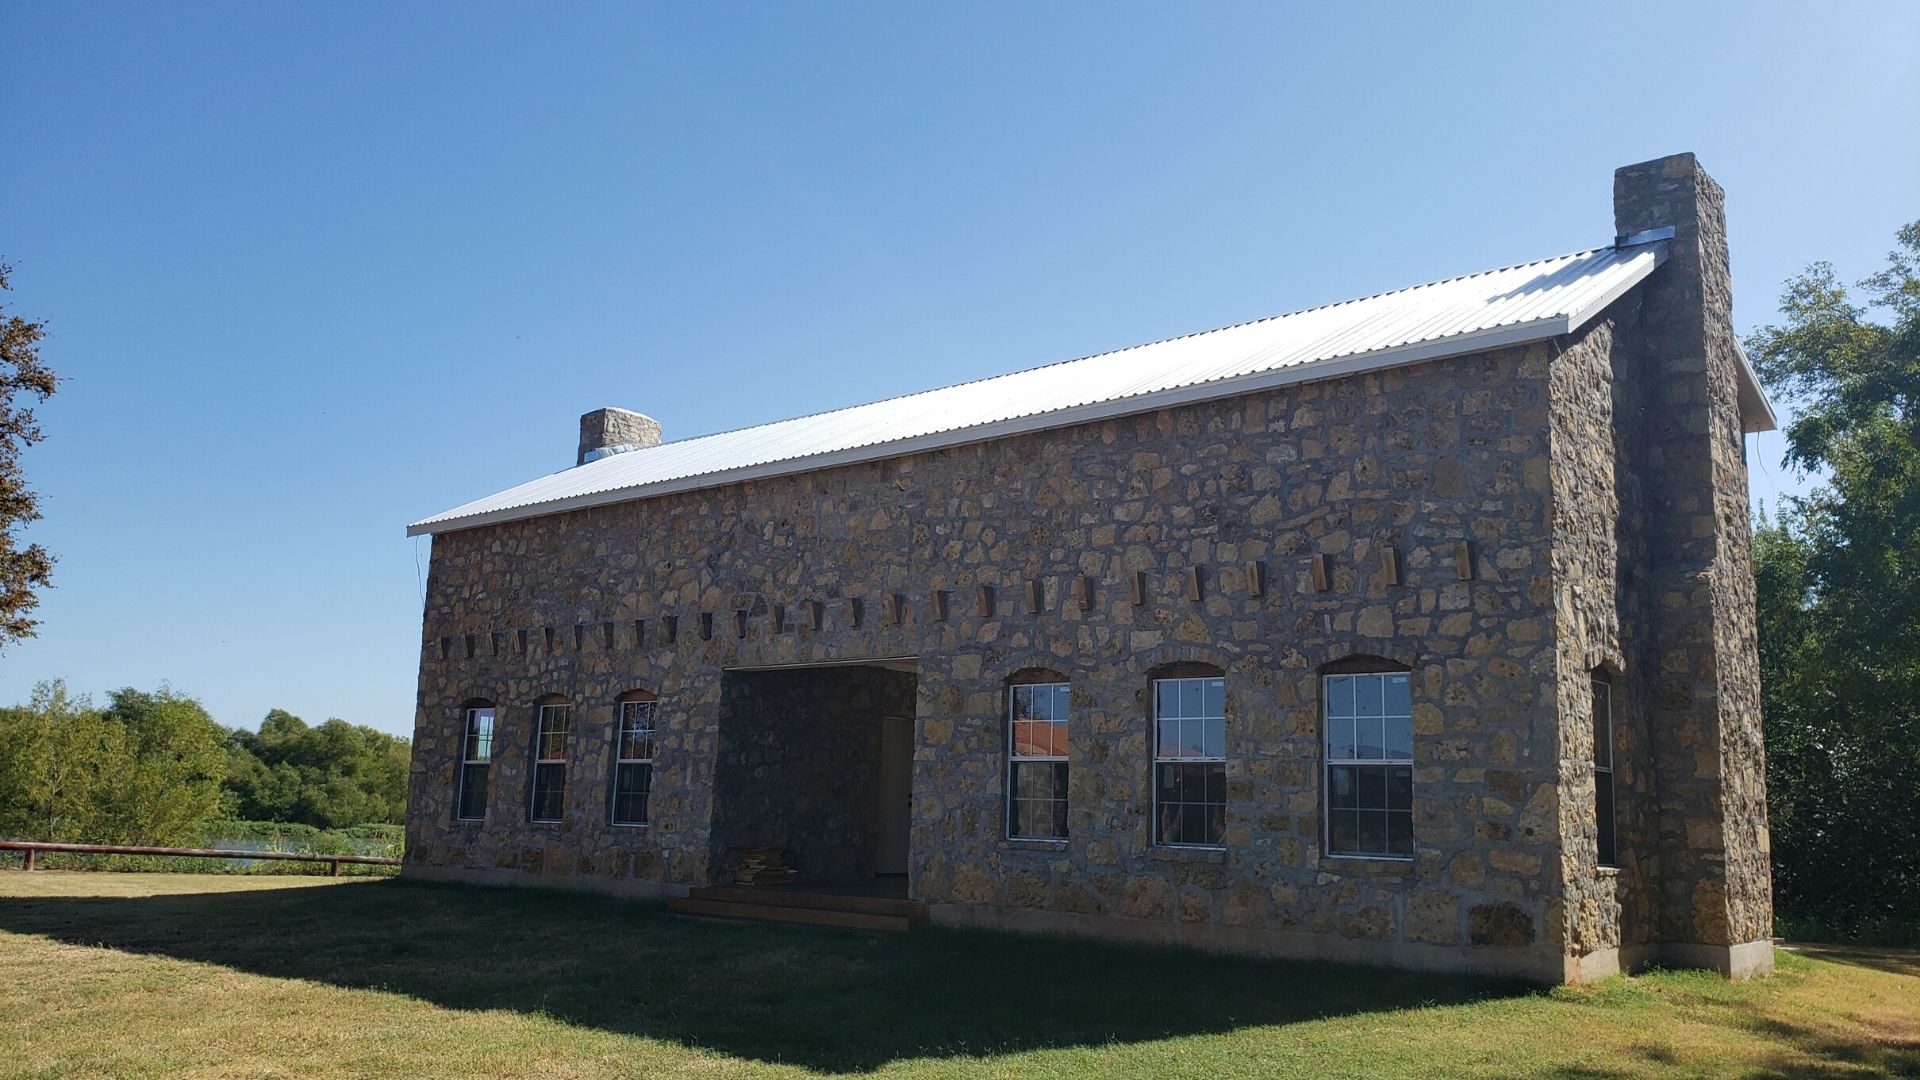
[
  {"x": 1037, "y": 759},
  {"x": 1603, "y": 768},
  {"x": 552, "y": 734},
  {"x": 476, "y": 759},
  {"x": 1190, "y": 761},
  {"x": 1369, "y": 763},
  {"x": 633, "y": 761}
]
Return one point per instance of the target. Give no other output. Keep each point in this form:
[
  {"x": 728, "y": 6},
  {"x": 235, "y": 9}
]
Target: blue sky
[{"x": 314, "y": 271}]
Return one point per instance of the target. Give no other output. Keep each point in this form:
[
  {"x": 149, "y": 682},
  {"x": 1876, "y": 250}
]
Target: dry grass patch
[{"x": 174, "y": 974}]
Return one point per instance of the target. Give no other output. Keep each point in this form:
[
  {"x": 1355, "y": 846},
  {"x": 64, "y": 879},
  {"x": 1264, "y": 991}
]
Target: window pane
[
  {"x": 1191, "y": 697},
  {"x": 1400, "y": 787},
  {"x": 473, "y": 791},
  {"x": 1366, "y": 695},
  {"x": 1040, "y": 700},
  {"x": 1169, "y": 745},
  {"x": 1602, "y": 725},
  {"x": 1399, "y": 739},
  {"x": 1169, "y": 784},
  {"x": 1399, "y": 695},
  {"x": 1340, "y": 740},
  {"x": 1603, "y": 816},
  {"x": 1343, "y": 832},
  {"x": 1373, "y": 831},
  {"x": 1167, "y": 697},
  {"x": 1369, "y": 735},
  {"x": 1373, "y": 788},
  {"x": 1216, "y": 774},
  {"x": 1213, "y": 697},
  {"x": 552, "y": 741},
  {"x": 1039, "y": 806},
  {"x": 1062, "y": 701},
  {"x": 549, "y": 791},
  {"x": 1399, "y": 833},
  {"x": 1167, "y": 828},
  {"x": 1342, "y": 788},
  {"x": 1193, "y": 738},
  {"x": 631, "y": 782},
  {"x": 479, "y": 735},
  {"x": 1339, "y": 695}
]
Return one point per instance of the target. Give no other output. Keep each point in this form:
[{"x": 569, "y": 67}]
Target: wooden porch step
[
  {"x": 787, "y": 913},
  {"x": 816, "y": 900}
]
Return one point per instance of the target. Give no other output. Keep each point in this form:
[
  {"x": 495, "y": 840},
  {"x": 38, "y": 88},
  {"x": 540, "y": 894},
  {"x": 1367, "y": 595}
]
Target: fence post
[
  {"x": 29, "y": 853},
  {"x": 336, "y": 868}
]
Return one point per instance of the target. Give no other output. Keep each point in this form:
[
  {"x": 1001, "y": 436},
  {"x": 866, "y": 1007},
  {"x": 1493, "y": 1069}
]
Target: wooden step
[
  {"x": 787, "y": 913},
  {"x": 819, "y": 901}
]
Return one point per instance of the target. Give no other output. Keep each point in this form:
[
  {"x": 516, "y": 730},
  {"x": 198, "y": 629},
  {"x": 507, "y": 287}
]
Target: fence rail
[{"x": 29, "y": 848}]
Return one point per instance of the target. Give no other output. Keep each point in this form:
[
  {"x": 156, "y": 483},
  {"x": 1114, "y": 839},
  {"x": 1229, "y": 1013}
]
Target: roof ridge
[{"x": 1095, "y": 356}]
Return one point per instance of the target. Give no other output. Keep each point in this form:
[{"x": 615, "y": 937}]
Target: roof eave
[
  {"x": 1756, "y": 409},
  {"x": 1419, "y": 352}
]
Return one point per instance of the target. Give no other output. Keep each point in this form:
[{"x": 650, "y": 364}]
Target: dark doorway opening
[{"x": 815, "y": 764}]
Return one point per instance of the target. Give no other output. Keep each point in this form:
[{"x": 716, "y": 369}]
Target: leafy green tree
[
  {"x": 145, "y": 770},
  {"x": 1838, "y": 581},
  {"x": 51, "y": 751},
  {"x": 331, "y": 776},
  {"x": 23, "y": 570},
  {"x": 164, "y": 768}
]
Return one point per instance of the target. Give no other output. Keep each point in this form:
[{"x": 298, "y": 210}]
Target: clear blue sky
[{"x": 314, "y": 271}]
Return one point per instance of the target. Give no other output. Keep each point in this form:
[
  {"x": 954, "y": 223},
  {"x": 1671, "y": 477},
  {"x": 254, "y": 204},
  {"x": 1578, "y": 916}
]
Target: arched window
[
  {"x": 1190, "y": 756},
  {"x": 632, "y": 757},
  {"x": 1368, "y": 724},
  {"x": 553, "y": 732},
  {"x": 1603, "y": 767},
  {"x": 1038, "y": 705},
  {"x": 476, "y": 758}
]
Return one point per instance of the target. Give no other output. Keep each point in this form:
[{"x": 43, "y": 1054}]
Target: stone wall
[
  {"x": 1715, "y": 876},
  {"x": 1501, "y": 524},
  {"x": 1403, "y": 514}
]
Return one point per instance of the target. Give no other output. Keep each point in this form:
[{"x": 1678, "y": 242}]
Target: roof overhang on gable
[{"x": 1481, "y": 312}]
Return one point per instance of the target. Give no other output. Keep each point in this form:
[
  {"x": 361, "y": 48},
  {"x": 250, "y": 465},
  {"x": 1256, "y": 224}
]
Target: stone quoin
[{"x": 1464, "y": 628}]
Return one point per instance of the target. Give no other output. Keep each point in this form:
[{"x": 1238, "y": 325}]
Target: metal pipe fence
[{"x": 30, "y": 848}]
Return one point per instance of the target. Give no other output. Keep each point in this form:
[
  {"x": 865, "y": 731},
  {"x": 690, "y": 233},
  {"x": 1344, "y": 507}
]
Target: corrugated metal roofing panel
[{"x": 1465, "y": 314}]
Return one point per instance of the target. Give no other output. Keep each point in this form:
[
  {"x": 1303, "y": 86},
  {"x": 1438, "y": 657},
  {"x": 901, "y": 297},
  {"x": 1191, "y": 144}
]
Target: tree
[
  {"x": 331, "y": 776},
  {"x": 50, "y": 756},
  {"x": 23, "y": 570},
  {"x": 145, "y": 770},
  {"x": 1838, "y": 583},
  {"x": 163, "y": 769}
]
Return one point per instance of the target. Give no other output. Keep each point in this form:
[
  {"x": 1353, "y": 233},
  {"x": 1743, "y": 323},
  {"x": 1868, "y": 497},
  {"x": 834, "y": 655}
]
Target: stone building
[{"x": 1414, "y": 630}]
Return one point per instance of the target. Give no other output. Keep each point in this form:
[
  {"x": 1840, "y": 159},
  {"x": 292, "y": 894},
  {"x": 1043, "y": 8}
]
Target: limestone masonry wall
[
  {"x": 1212, "y": 496},
  {"x": 1502, "y": 524}
]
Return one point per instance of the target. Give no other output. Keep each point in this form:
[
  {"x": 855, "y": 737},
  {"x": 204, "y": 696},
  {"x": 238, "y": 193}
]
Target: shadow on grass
[
  {"x": 1891, "y": 961},
  {"x": 823, "y": 999}
]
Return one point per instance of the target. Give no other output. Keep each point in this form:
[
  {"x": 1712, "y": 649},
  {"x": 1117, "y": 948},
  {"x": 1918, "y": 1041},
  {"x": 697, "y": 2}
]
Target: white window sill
[
  {"x": 1033, "y": 843},
  {"x": 1187, "y": 853},
  {"x": 1376, "y": 864}
]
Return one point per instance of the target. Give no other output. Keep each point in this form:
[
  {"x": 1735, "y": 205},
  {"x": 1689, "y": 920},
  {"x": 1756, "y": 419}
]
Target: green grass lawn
[{"x": 204, "y": 975}]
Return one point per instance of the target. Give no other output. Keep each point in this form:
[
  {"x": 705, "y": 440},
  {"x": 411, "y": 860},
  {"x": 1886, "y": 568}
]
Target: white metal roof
[{"x": 1489, "y": 310}]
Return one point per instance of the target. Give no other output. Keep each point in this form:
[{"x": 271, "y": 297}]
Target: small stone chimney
[{"x": 605, "y": 432}]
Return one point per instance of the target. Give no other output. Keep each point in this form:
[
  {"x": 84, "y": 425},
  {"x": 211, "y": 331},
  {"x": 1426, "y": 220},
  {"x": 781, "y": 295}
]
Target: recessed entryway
[{"x": 814, "y": 771}]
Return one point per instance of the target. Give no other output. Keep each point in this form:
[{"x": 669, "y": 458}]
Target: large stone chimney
[
  {"x": 1716, "y": 899},
  {"x": 604, "y": 432}
]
